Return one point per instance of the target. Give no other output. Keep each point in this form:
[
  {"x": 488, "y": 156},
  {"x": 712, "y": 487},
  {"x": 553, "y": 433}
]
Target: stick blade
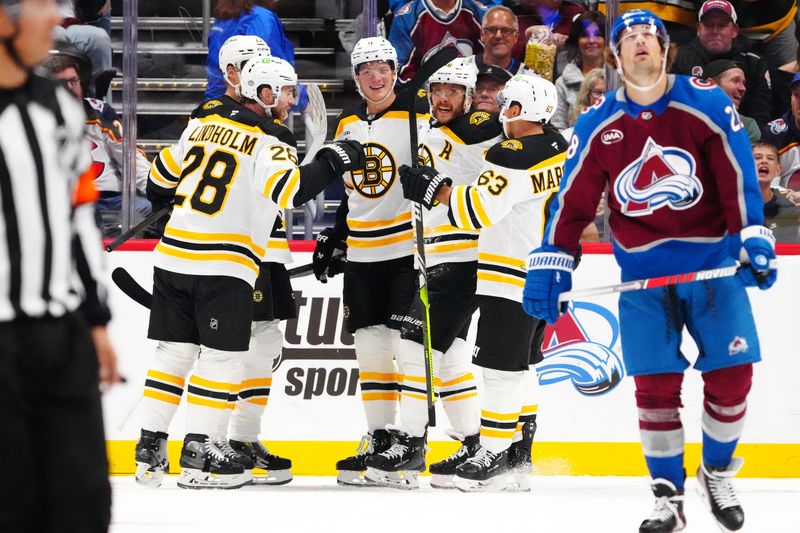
[
  {"x": 442, "y": 57},
  {"x": 131, "y": 287}
]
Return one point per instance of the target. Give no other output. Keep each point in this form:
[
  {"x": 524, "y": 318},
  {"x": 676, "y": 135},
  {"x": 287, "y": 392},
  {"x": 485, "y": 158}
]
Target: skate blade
[
  {"x": 194, "y": 479},
  {"x": 495, "y": 484},
  {"x": 442, "y": 481},
  {"x": 353, "y": 478},
  {"x": 404, "y": 480},
  {"x": 148, "y": 478},
  {"x": 520, "y": 482},
  {"x": 707, "y": 503},
  {"x": 273, "y": 477}
]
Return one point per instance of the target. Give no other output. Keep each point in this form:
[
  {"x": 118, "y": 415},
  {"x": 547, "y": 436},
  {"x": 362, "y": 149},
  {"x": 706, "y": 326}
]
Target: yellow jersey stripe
[
  {"x": 557, "y": 159},
  {"x": 161, "y": 396},
  {"x": 456, "y": 397},
  {"x": 477, "y": 206},
  {"x": 460, "y": 379},
  {"x": 269, "y": 185},
  {"x": 344, "y": 122},
  {"x": 289, "y": 189},
  {"x": 502, "y": 259},
  {"x": 370, "y": 224},
  {"x": 450, "y": 247},
  {"x": 207, "y": 402},
  {"x": 163, "y": 376},
  {"x": 279, "y": 244},
  {"x": 169, "y": 162},
  {"x": 417, "y": 379},
  {"x": 260, "y": 382},
  {"x": 377, "y": 376},
  {"x": 509, "y": 417},
  {"x": 372, "y": 396},
  {"x": 156, "y": 176},
  {"x": 215, "y": 237},
  {"x": 500, "y": 278},
  {"x": 530, "y": 410},
  {"x": 415, "y": 396},
  {"x": 257, "y": 401},
  {"x": 497, "y": 433},
  {"x": 208, "y": 384},
  {"x": 191, "y": 256},
  {"x": 375, "y": 243}
]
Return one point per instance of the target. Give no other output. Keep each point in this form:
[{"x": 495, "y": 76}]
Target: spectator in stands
[
  {"x": 784, "y": 133},
  {"x": 78, "y": 27},
  {"x": 729, "y": 75},
  {"x": 679, "y": 16},
  {"x": 592, "y": 88},
  {"x": 780, "y": 205},
  {"x": 499, "y": 33},
  {"x": 585, "y": 47},
  {"x": 491, "y": 80},
  {"x": 770, "y": 26},
  {"x": 718, "y": 38},
  {"x": 555, "y": 14},
  {"x": 421, "y": 27},
  {"x": 104, "y": 133}
]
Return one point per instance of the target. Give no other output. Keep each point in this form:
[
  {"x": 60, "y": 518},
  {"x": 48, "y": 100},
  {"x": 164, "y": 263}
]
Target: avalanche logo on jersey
[
  {"x": 570, "y": 354},
  {"x": 660, "y": 177},
  {"x": 464, "y": 47},
  {"x": 378, "y": 173}
]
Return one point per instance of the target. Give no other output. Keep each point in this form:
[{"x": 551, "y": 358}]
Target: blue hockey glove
[
  {"x": 549, "y": 274},
  {"x": 759, "y": 264}
]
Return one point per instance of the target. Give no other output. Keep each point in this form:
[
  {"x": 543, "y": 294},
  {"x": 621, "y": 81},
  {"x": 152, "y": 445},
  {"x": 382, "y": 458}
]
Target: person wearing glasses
[
  {"x": 422, "y": 27},
  {"x": 499, "y": 35}
]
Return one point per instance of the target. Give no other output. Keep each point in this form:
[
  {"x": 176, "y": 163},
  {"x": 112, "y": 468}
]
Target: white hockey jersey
[
  {"x": 379, "y": 218},
  {"x": 278, "y": 245},
  {"x": 232, "y": 170},
  {"x": 456, "y": 149},
  {"x": 510, "y": 201}
]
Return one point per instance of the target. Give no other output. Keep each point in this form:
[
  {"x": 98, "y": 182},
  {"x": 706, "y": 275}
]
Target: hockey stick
[
  {"x": 426, "y": 70},
  {"x": 649, "y": 283},
  {"x": 151, "y": 218},
  {"x": 131, "y": 288}
]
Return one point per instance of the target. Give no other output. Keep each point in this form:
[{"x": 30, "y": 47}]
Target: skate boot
[
  {"x": 715, "y": 487},
  {"x": 399, "y": 466},
  {"x": 667, "y": 515},
  {"x": 151, "y": 458},
  {"x": 210, "y": 464},
  {"x": 442, "y": 473},
  {"x": 351, "y": 470},
  {"x": 485, "y": 471},
  {"x": 519, "y": 459},
  {"x": 278, "y": 469}
]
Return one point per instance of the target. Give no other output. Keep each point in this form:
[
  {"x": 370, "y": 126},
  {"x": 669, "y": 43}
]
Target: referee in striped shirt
[{"x": 52, "y": 312}]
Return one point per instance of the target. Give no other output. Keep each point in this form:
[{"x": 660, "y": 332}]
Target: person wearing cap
[
  {"x": 729, "y": 75},
  {"x": 491, "y": 80},
  {"x": 784, "y": 132},
  {"x": 718, "y": 38}
]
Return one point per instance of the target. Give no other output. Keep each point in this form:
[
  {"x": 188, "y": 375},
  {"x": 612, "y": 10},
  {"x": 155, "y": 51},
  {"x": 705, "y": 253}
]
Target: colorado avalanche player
[{"x": 683, "y": 197}]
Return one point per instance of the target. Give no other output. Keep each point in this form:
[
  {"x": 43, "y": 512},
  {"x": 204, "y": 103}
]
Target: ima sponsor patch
[
  {"x": 611, "y": 136},
  {"x": 511, "y": 144},
  {"x": 478, "y": 118},
  {"x": 778, "y": 126}
]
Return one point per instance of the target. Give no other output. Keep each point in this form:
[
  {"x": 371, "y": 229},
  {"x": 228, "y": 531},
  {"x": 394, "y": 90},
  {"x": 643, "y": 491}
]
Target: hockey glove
[
  {"x": 549, "y": 274},
  {"x": 421, "y": 184},
  {"x": 343, "y": 155},
  {"x": 757, "y": 255},
  {"x": 329, "y": 255}
]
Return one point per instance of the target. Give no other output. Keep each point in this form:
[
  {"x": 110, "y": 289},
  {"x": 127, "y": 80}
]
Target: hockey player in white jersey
[
  {"x": 229, "y": 174},
  {"x": 508, "y": 202},
  {"x": 379, "y": 277},
  {"x": 455, "y": 145}
]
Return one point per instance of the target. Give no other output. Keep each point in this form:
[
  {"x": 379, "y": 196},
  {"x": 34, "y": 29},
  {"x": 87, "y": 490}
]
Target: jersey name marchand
[
  {"x": 218, "y": 225},
  {"x": 379, "y": 218},
  {"x": 510, "y": 204},
  {"x": 456, "y": 149}
]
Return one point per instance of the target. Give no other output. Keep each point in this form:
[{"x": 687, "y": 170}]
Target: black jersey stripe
[
  {"x": 367, "y": 386},
  {"x": 278, "y": 189},
  {"x": 510, "y": 271},
  {"x": 249, "y": 393},
  {"x": 164, "y": 171},
  {"x": 498, "y": 425},
  {"x": 166, "y": 387},
  {"x": 445, "y": 394},
  {"x": 368, "y": 234},
  {"x": 210, "y": 246},
  {"x": 452, "y": 237},
  {"x": 198, "y": 391},
  {"x": 476, "y": 223}
]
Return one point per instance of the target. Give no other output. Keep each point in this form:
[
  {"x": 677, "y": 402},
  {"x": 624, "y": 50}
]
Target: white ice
[{"x": 317, "y": 504}]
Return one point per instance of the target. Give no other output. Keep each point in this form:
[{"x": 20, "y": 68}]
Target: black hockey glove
[
  {"x": 422, "y": 183},
  {"x": 329, "y": 255},
  {"x": 343, "y": 155}
]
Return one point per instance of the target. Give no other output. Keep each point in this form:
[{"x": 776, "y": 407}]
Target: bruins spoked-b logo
[
  {"x": 378, "y": 173},
  {"x": 424, "y": 156}
]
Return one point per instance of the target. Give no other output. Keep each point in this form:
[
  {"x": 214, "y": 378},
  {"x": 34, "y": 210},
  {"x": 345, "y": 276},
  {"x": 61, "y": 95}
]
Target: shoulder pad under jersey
[
  {"x": 278, "y": 129},
  {"x": 526, "y": 152},
  {"x": 475, "y": 127}
]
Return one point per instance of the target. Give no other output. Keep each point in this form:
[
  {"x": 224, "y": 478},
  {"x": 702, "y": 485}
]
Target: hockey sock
[
  {"x": 164, "y": 384},
  {"x": 724, "y": 407},
  {"x": 530, "y": 401},
  {"x": 266, "y": 343},
  {"x": 458, "y": 391},
  {"x": 501, "y": 402},
  {"x": 658, "y": 398},
  {"x": 209, "y": 386},
  {"x": 413, "y": 390},
  {"x": 375, "y": 348}
]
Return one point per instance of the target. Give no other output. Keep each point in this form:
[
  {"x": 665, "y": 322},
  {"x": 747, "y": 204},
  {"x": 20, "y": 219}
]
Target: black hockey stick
[
  {"x": 131, "y": 288},
  {"x": 151, "y": 219},
  {"x": 426, "y": 70}
]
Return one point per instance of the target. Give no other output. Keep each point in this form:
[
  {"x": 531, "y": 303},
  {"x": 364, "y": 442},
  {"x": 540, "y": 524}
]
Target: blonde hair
[{"x": 582, "y": 98}]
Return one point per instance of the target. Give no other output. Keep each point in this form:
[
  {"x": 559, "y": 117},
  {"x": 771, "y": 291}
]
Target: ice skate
[
  {"x": 210, "y": 464},
  {"x": 152, "y": 462},
  {"x": 278, "y": 468},
  {"x": 519, "y": 459},
  {"x": 351, "y": 470},
  {"x": 715, "y": 487},
  {"x": 442, "y": 473},
  {"x": 486, "y": 471},
  {"x": 399, "y": 466},
  {"x": 667, "y": 515}
]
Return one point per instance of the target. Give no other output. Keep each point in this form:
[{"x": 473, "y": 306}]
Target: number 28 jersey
[{"x": 231, "y": 171}]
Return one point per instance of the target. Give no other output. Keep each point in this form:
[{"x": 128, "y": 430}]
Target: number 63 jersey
[{"x": 230, "y": 172}]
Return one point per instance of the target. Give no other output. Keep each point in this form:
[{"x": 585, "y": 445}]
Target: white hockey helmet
[
  {"x": 460, "y": 71},
  {"x": 271, "y": 71},
  {"x": 237, "y": 50},
  {"x": 536, "y": 96},
  {"x": 371, "y": 49}
]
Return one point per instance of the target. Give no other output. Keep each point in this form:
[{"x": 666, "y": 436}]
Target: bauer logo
[
  {"x": 611, "y": 136},
  {"x": 586, "y": 360}
]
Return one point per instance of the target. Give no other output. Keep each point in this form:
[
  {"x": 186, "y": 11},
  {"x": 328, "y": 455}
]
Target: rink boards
[{"x": 587, "y": 417}]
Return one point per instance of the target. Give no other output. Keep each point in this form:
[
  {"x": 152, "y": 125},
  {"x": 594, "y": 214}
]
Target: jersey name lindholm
[{"x": 224, "y": 137}]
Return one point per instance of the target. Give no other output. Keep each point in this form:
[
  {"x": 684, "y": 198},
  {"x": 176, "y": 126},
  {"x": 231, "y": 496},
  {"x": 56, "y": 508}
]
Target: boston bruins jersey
[
  {"x": 510, "y": 201},
  {"x": 456, "y": 149},
  {"x": 230, "y": 171},
  {"x": 379, "y": 219},
  {"x": 278, "y": 245}
]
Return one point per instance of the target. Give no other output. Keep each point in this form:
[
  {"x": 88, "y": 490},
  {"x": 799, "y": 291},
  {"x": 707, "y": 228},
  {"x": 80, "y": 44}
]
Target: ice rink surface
[{"x": 316, "y": 504}]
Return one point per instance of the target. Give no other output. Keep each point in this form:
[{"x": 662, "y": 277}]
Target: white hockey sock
[
  {"x": 375, "y": 348},
  {"x": 165, "y": 382},
  {"x": 266, "y": 342},
  {"x": 458, "y": 391},
  {"x": 207, "y": 392},
  {"x": 413, "y": 390},
  {"x": 530, "y": 401},
  {"x": 501, "y": 401}
]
